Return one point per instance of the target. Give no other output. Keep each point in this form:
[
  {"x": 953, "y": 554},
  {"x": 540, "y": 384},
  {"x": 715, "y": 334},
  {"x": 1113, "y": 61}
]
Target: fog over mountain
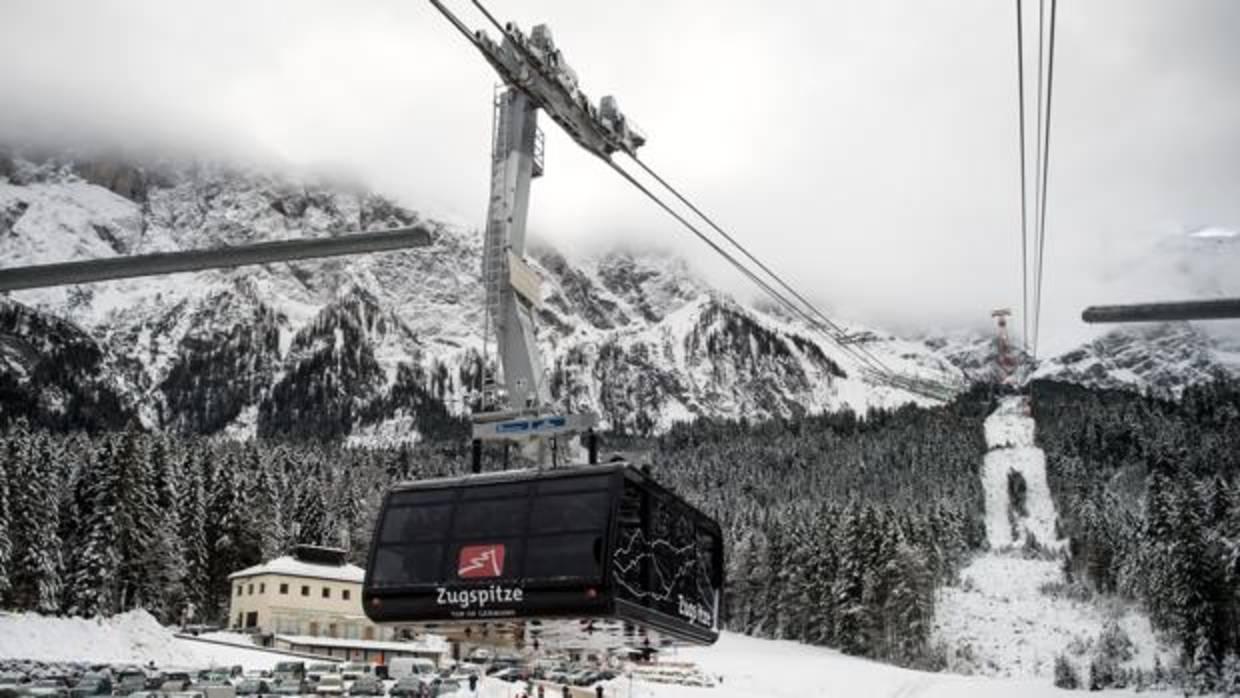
[{"x": 866, "y": 150}]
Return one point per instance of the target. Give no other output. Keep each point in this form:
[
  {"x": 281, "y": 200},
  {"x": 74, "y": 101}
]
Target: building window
[
  {"x": 283, "y": 588},
  {"x": 239, "y": 587},
  {"x": 344, "y": 594},
  {"x": 251, "y": 590},
  {"x": 262, "y": 588},
  {"x": 331, "y": 630},
  {"x": 368, "y": 633},
  {"x": 305, "y": 590},
  {"x": 327, "y": 592}
]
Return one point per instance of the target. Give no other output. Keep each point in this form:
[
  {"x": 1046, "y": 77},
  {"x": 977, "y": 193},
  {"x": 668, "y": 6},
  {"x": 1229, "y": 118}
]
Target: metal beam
[
  {"x": 1220, "y": 309},
  {"x": 95, "y": 270}
]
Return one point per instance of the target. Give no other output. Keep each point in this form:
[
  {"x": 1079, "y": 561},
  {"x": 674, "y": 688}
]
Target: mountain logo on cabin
[{"x": 480, "y": 561}]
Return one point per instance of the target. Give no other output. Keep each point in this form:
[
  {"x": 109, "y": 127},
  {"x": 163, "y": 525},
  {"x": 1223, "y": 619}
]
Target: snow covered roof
[
  {"x": 290, "y": 566},
  {"x": 429, "y": 644}
]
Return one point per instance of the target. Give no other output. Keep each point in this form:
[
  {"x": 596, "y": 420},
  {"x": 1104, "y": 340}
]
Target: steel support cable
[
  {"x": 776, "y": 277},
  {"x": 888, "y": 377},
  {"x": 876, "y": 367},
  {"x": 1024, "y": 186},
  {"x": 1046, "y": 161}
]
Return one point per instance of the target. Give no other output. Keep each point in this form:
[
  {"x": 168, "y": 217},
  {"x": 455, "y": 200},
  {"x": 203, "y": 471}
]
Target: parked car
[
  {"x": 92, "y": 684},
  {"x": 286, "y": 671},
  {"x": 130, "y": 681},
  {"x": 401, "y": 667},
  {"x": 253, "y": 687},
  {"x": 174, "y": 681},
  {"x": 407, "y": 687},
  {"x": 289, "y": 688},
  {"x": 47, "y": 688},
  {"x": 330, "y": 684},
  {"x": 366, "y": 685},
  {"x": 146, "y": 694}
]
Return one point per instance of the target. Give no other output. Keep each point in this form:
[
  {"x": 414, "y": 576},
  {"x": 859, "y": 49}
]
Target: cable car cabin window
[
  {"x": 573, "y": 556},
  {"x": 582, "y": 511},
  {"x": 552, "y": 529},
  {"x": 405, "y": 565},
  {"x": 411, "y": 524},
  {"x": 492, "y": 517}
]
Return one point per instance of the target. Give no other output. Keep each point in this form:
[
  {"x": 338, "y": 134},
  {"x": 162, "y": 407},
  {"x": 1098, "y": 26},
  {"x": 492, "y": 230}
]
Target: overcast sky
[{"x": 866, "y": 149}]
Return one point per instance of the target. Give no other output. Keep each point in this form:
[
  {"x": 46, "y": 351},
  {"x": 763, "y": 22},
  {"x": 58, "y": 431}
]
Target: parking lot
[{"x": 400, "y": 679}]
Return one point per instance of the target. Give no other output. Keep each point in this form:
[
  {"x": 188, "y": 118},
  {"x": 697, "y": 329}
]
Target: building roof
[
  {"x": 290, "y": 566},
  {"x": 429, "y": 644}
]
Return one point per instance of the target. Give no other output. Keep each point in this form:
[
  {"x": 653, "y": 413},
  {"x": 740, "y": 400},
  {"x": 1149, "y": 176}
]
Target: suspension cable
[
  {"x": 1046, "y": 156},
  {"x": 1024, "y": 187},
  {"x": 839, "y": 332},
  {"x": 880, "y": 373}
]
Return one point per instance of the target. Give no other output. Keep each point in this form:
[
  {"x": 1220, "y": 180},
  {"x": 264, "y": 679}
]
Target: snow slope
[
  {"x": 1009, "y": 435},
  {"x": 999, "y": 619},
  {"x": 133, "y": 637}
]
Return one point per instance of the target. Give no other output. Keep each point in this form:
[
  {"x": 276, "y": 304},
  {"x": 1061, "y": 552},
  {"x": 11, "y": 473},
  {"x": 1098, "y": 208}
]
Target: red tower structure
[{"x": 1003, "y": 353}]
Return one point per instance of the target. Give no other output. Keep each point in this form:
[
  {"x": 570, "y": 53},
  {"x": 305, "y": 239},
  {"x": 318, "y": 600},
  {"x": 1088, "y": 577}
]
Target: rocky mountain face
[
  {"x": 1159, "y": 359},
  {"x": 377, "y": 348}
]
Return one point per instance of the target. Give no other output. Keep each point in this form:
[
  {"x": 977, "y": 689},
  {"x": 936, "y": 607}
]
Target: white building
[{"x": 312, "y": 593}]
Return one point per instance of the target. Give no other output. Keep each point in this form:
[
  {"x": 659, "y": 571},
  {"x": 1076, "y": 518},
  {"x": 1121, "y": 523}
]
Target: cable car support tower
[{"x": 518, "y": 407}]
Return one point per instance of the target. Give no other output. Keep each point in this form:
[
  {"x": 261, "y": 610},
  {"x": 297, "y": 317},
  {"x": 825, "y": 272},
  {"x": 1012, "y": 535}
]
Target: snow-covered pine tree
[
  {"x": 96, "y": 559},
  {"x": 191, "y": 501},
  {"x": 136, "y": 523},
  {"x": 852, "y": 617},
  {"x": 311, "y": 514},
  {"x": 164, "y": 560},
  {"x": 268, "y": 507},
  {"x": 236, "y": 546},
  {"x": 6, "y": 541},
  {"x": 36, "y": 536}
]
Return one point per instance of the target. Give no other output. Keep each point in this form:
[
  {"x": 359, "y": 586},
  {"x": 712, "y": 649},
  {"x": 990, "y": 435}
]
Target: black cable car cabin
[{"x": 603, "y": 544}]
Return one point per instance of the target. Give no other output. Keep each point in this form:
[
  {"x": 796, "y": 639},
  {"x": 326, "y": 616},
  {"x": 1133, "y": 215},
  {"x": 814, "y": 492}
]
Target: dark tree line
[
  {"x": 97, "y": 524},
  {"x": 838, "y": 529},
  {"x": 1148, "y": 492}
]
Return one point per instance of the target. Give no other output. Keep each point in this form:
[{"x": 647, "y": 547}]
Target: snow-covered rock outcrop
[{"x": 385, "y": 346}]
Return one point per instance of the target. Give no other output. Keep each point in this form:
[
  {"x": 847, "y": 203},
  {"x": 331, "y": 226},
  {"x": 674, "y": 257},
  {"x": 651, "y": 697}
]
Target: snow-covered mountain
[
  {"x": 1164, "y": 358},
  {"x": 378, "y": 347}
]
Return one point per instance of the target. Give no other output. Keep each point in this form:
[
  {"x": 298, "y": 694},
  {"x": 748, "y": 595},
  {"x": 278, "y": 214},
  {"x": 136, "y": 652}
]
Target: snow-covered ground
[
  {"x": 999, "y": 620},
  {"x": 133, "y": 637},
  {"x": 1009, "y": 435},
  {"x": 753, "y": 668},
  {"x": 745, "y": 667}
]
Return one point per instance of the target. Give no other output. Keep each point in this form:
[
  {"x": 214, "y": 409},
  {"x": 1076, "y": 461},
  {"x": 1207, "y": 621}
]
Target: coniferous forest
[
  {"x": 1148, "y": 493},
  {"x": 839, "y": 528}
]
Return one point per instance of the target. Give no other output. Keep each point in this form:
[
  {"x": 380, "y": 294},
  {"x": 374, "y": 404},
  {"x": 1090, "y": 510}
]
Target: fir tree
[
  {"x": 6, "y": 541},
  {"x": 36, "y": 564},
  {"x": 196, "y": 580}
]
